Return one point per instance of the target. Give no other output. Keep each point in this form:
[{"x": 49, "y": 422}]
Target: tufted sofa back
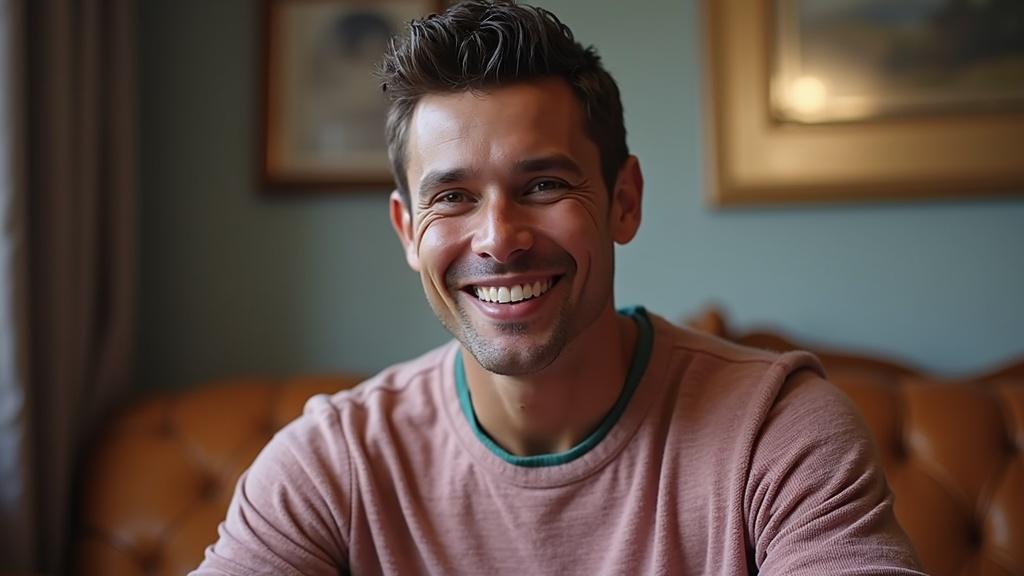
[{"x": 160, "y": 477}]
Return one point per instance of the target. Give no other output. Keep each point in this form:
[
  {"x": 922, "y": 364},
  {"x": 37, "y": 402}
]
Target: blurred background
[
  {"x": 233, "y": 280},
  {"x": 219, "y": 278}
]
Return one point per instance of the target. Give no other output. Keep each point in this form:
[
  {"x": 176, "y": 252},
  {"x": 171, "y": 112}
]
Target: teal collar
[{"x": 641, "y": 355}]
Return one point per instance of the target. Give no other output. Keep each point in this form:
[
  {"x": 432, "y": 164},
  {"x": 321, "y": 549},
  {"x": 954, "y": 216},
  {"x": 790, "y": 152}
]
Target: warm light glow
[{"x": 807, "y": 95}]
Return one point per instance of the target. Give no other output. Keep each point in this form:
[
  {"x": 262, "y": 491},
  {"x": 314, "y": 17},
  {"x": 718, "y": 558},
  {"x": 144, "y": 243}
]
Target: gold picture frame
[{"x": 757, "y": 159}]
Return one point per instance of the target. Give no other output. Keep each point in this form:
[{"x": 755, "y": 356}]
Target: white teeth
[{"x": 515, "y": 293}]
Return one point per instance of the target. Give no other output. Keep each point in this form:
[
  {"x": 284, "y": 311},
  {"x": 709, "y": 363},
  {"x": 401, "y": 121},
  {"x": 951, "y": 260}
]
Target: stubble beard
[{"x": 507, "y": 357}]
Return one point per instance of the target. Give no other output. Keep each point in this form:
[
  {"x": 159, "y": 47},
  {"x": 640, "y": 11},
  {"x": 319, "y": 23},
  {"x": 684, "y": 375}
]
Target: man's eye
[
  {"x": 547, "y": 186},
  {"x": 451, "y": 197}
]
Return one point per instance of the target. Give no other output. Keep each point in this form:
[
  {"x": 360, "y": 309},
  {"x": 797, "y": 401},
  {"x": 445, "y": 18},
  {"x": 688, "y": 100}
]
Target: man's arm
[
  {"x": 817, "y": 501},
  {"x": 289, "y": 513}
]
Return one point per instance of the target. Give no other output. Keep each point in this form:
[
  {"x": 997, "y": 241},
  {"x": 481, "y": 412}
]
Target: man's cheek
[
  {"x": 431, "y": 242},
  {"x": 437, "y": 250},
  {"x": 421, "y": 229},
  {"x": 570, "y": 220}
]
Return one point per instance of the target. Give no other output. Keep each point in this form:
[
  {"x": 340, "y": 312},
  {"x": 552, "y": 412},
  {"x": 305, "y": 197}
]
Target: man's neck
[{"x": 555, "y": 409}]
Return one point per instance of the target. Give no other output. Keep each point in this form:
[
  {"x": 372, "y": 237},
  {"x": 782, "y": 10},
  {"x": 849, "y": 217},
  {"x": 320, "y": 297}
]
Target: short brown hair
[{"x": 479, "y": 44}]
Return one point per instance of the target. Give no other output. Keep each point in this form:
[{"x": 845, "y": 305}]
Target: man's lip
[
  {"x": 518, "y": 311},
  {"x": 508, "y": 281}
]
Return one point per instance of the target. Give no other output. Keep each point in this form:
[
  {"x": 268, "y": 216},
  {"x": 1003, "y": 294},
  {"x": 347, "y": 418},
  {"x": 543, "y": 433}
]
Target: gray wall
[{"x": 236, "y": 282}]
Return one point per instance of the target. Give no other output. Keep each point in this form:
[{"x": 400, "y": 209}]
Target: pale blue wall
[{"x": 235, "y": 282}]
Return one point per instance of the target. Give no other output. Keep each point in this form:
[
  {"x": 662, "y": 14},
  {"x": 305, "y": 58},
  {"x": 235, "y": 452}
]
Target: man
[{"x": 555, "y": 435}]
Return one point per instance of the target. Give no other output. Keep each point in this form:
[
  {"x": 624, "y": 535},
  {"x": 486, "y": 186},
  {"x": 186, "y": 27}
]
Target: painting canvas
[
  {"x": 837, "y": 60},
  {"x": 325, "y": 109}
]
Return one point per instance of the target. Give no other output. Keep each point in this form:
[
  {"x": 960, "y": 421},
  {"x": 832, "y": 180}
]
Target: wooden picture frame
[
  {"x": 322, "y": 107},
  {"x": 757, "y": 159}
]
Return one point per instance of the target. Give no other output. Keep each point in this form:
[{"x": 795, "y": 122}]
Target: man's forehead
[
  {"x": 508, "y": 123},
  {"x": 537, "y": 99}
]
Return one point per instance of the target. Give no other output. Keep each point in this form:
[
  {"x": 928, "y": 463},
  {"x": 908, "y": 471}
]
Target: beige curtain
[{"x": 67, "y": 256}]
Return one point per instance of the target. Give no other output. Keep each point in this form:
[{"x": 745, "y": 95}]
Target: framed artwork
[
  {"x": 838, "y": 100},
  {"x": 323, "y": 108}
]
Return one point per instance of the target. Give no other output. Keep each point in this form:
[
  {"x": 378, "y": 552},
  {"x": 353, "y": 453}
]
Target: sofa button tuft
[
  {"x": 974, "y": 536},
  {"x": 151, "y": 564},
  {"x": 900, "y": 452},
  {"x": 209, "y": 488}
]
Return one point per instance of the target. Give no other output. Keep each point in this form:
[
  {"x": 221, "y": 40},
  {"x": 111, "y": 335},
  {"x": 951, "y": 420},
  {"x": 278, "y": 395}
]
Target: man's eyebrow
[
  {"x": 438, "y": 178},
  {"x": 546, "y": 163},
  {"x": 432, "y": 180}
]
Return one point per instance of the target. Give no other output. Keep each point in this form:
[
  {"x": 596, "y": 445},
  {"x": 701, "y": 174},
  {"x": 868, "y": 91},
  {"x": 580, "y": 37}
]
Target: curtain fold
[
  {"x": 17, "y": 521},
  {"x": 74, "y": 330}
]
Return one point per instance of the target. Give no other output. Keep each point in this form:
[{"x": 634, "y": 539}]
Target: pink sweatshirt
[{"x": 722, "y": 460}]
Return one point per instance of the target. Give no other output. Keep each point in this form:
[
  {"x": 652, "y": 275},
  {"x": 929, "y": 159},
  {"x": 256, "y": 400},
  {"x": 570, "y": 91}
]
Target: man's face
[{"x": 511, "y": 227}]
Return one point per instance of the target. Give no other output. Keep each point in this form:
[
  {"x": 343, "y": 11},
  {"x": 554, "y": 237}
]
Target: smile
[{"x": 513, "y": 293}]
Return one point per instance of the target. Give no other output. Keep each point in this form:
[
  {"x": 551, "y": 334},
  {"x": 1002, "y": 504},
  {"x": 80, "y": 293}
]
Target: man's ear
[
  {"x": 627, "y": 200},
  {"x": 401, "y": 221}
]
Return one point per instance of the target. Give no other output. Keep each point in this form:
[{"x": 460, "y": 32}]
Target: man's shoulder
[
  {"x": 725, "y": 356},
  {"x": 713, "y": 381},
  {"x": 383, "y": 411},
  {"x": 411, "y": 388}
]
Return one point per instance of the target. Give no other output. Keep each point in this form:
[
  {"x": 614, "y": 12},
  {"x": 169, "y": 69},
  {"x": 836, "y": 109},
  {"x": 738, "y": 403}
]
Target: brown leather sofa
[{"x": 161, "y": 475}]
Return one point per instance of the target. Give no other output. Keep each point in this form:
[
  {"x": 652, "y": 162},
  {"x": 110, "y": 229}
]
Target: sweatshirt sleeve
[
  {"x": 290, "y": 511},
  {"x": 817, "y": 500}
]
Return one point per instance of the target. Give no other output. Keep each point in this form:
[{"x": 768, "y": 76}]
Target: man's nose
[{"x": 503, "y": 230}]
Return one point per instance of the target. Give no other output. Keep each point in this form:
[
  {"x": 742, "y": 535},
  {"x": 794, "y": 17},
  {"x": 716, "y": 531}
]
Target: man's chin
[
  {"x": 514, "y": 356},
  {"x": 512, "y": 365}
]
